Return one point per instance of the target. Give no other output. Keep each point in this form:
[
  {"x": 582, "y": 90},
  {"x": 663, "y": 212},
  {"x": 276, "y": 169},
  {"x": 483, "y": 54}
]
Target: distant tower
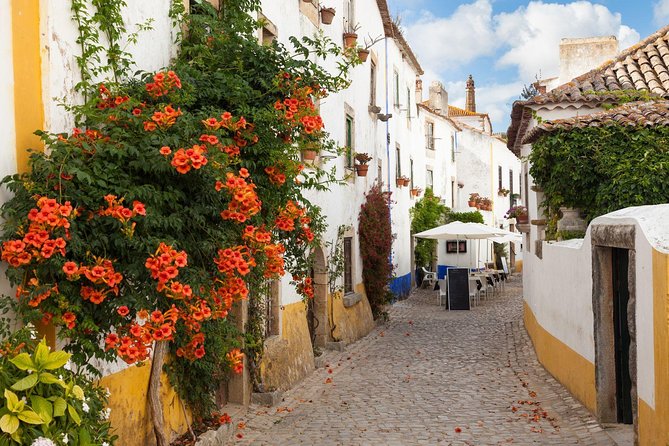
[{"x": 471, "y": 95}]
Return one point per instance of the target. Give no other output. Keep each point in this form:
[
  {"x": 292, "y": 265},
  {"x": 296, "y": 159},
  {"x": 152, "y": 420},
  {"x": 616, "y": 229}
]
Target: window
[
  {"x": 350, "y": 143},
  {"x": 398, "y": 166},
  {"x": 396, "y": 88},
  {"x": 452, "y": 148},
  {"x": 408, "y": 103},
  {"x": 499, "y": 178},
  {"x": 271, "y": 313},
  {"x": 379, "y": 171},
  {"x": 429, "y": 135},
  {"x": 411, "y": 172},
  {"x": 348, "y": 265},
  {"x": 429, "y": 179},
  {"x": 372, "y": 84},
  {"x": 512, "y": 200}
]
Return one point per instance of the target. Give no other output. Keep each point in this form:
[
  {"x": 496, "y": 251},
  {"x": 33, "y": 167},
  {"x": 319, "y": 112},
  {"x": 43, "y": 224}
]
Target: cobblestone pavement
[{"x": 427, "y": 377}]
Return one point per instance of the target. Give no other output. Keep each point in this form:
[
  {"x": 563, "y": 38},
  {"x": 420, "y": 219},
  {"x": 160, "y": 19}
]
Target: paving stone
[{"x": 424, "y": 375}]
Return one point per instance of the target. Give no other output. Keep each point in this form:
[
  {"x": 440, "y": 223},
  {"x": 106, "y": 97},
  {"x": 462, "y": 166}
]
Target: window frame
[{"x": 349, "y": 287}]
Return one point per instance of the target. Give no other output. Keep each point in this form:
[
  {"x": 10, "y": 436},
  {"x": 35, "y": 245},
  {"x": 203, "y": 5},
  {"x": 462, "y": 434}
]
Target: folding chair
[{"x": 443, "y": 293}]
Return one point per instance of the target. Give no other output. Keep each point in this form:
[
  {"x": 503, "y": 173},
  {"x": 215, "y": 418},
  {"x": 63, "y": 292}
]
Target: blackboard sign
[{"x": 458, "y": 289}]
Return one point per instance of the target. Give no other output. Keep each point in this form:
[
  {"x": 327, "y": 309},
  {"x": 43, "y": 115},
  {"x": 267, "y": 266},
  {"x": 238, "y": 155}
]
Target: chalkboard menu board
[{"x": 458, "y": 289}]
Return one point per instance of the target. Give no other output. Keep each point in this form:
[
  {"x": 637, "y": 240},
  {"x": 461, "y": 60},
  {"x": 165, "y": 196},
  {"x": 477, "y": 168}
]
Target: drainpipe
[{"x": 390, "y": 215}]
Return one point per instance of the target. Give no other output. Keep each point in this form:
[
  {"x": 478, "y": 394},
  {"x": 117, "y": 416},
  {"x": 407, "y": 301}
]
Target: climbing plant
[
  {"x": 427, "y": 214},
  {"x": 376, "y": 240},
  {"x": 601, "y": 169},
  {"x": 465, "y": 217},
  {"x": 180, "y": 193}
]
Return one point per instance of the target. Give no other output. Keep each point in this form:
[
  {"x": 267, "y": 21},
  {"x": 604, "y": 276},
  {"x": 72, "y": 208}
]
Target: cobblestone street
[{"x": 430, "y": 376}]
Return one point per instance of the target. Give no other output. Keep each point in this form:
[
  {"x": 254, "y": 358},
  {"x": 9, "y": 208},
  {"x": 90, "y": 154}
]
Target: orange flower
[
  {"x": 69, "y": 319},
  {"x": 164, "y": 150},
  {"x": 123, "y": 311}
]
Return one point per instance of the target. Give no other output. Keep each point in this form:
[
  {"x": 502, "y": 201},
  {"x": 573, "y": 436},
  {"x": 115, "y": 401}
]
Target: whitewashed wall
[
  {"x": 558, "y": 288},
  {"x": 60, "y": 72}
]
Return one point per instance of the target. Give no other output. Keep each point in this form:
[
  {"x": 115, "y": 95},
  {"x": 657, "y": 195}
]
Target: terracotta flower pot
[
  {"x": 399, "y": 182},
  {"x": 361, "y": 169},
  {"x": 414, "y": 192},
  {"x": 523, "y": 219},
  {"x": 471, "y": 204},
  {"x": 327, "y": 15},
  {"x": 407, "y": 181},
  {"x": 363, "y": 54},
  {"x": 309, "y": 155},
  {"x": 350, "y": 40}
]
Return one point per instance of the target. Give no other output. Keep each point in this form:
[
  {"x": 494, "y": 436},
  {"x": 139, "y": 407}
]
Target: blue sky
[{"x": 504, "y": 44}]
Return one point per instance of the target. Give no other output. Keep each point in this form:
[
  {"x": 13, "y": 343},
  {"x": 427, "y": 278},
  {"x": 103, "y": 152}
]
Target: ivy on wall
[
  {"x": 601, "y": 169},
  {"x": 426, "y": 214}
]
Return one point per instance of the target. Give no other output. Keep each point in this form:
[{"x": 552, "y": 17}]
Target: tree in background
[{"x": 427, "y": 214}]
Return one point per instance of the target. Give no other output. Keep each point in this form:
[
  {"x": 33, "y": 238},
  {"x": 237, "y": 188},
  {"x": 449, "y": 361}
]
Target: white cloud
[
  {"x": 661, "y": 12},
  {"x": 526, "y": 40},
  {"x": 533, "y": 33},
  {"x": 446, "y": 42}
]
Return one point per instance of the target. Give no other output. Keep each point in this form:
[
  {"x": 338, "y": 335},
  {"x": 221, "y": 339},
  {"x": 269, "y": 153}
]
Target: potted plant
[
  {"x": 363, "y": 54},
  {"x": 407, "y": 180},
  {"x": 327, "y": 15},
  {"x": 309, "y": 152},
  {"x": 351, "y": 37},
  {"x": 503, "y": 192},
  {"x": 402, "y": 181},
  {"x": 519, "y": 213},
  {"x": 361, "y": 168},
  {"x": 473, "y": 199},
  {"x": 416, "y": 191}
]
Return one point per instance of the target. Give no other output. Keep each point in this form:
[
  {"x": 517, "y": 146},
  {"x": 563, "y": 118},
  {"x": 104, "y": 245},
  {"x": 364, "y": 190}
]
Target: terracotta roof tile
[
  {"x": 642, "y": 67},
  {"x": 632, "y": 114}
]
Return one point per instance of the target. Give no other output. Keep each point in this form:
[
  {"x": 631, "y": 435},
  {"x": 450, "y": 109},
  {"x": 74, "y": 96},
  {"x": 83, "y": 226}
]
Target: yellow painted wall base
[
  {"x": 519, "y": 266},
  {"x": 353, "y": 322},
  {"x": 654, "y": 423},
  {"x": 575, "y": 372},
  {"x": 130, "y": 414},
  {"x": 288, "y": 358}
]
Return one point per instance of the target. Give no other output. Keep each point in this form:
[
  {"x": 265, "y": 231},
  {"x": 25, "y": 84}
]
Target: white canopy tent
[{"x": 461, "y": 231}]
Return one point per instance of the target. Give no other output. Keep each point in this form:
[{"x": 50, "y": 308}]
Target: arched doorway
[{"x": 317, "y": 315}]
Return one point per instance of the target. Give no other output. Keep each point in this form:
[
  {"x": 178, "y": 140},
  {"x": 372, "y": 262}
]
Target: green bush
[
  {"x": 426, "y": 214},
  {"x": 44, "y": 399}
]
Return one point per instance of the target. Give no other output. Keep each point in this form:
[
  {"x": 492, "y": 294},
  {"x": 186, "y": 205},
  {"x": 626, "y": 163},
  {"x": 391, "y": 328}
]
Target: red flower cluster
[
  {"x": 244, "y": 202},
  {"x": 163, "y": 83},
  {"x": 186, "y": 159},
  {"x": 237, "y": 258},
  {"x": 134, "y": 346},
  {"x": 164, "y": 266},
  {"x": 37, "y": 243},
  {"x": 304, "y": 286},
  {"x": 242, "y": 133},
  {"x": 299, "y": 111},
  {"x": 275, "y": 265},
  {"x": 275, "y": 176},
  {"x": 163, "y": 119},
  {"x": 38, "y": 293},
  {"x": 102, "y": 273},
  {"x": 236, "y": 358},
  {"x": 117, "y": 211},
  {"x": 107, "y": 100}
]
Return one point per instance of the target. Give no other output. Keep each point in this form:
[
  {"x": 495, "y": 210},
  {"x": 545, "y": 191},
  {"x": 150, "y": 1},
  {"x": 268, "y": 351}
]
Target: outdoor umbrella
[
  {"x": 502, "y": 235},
  {"x": 459, "y": 231}
]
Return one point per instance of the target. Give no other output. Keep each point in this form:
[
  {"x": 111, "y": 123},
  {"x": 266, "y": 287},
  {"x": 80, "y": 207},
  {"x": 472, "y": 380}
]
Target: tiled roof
[
  {"x": 642, "y": 67},
  {"x": 632, "y": 114},
  {"x": 457, "y": 111},
  {"x": 426, "y": 106}
]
